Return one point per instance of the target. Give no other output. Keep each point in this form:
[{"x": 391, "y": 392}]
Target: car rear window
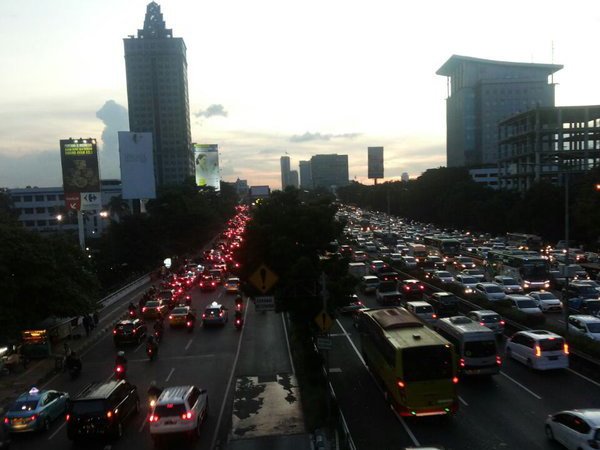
[
  {"x": 490, "y": 319},
  {"x": 526, "y": 304},
  {"x": 214, "y": 311},
  {"x": 26, "y": 405},
  {"x": 551, "y": 345},
  {"x": 125, "y": 327},
  {"x": 480, "y": 349},
  {"x": 493, "y": 290},
  {"x": 469, "y": 280},
  {"x": 594, "y": 327},
  {"x": 423, "y": 309},
  {"x": 87, "y": 407},
  {"x": 178, "y": 311},
  {"x": 152, "y": 304},
  {"x": 170, "y": 409}
]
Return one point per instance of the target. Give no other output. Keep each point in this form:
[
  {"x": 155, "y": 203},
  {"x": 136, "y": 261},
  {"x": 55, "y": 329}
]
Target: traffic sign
[
  {"x": 263, "y": 279},
  {"x": 91, "y": 201},
  {"x": 264, "y": 303},
  {"x": 323, "y": 343},
  {"x": 72, "y": 201},
  {"x": 324, "y": 320}
]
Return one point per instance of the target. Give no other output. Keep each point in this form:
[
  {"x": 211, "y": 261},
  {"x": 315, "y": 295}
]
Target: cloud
[
  {"x": 115, "y": 119},
  {"x": 212, "y": 110},
  {"x": 321, "y": 137},
  {"x": 33, "y": 169}
]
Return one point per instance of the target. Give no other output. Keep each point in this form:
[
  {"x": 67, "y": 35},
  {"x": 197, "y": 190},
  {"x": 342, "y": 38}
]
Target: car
[
  {"x": 488, "y": 318},
  {"x": 489, "y": 291},
  {"x": 538, "y": 349},
  {"x": 396, "y": 258},
  {"x": 345, "y": 250},
  {"x": 509, "y": 284},
  {"x": 377, "y": 265},
  {"x": 387, "y": 274},
  {"x": 436, "y": 262},
  {"x": 370, "y": 247},
  {"x": 408, "y": 263},
  {"x": 592, "y": 283},
  {"x": 129, "y": 331},
  {"x": 445, "y": 303},
  {"x": 214, "y": 314},
  {"x": 387, "y": 293},
  {"x": 423, "y": 311},
  {"x": 167, "y": 296},
  {"x": 35, "y": 410},
  {"x": 207, "y": 283},
  {"x": 411, "y": 289},
  {"x": 546, "y": 301},
  {"x": 216, "y": 274},
  {"x": 368, "y": 284},
  {"x": 152, "y": 309},
  {"x": 359, "y": 256},
  {"x": 178, "y": 410},
  {"x": 442, "y": 277},
  {"x": 462, "y": 262},
  {"x": 178, "y": 316},
  {"x": 232, "y": 285},
  {"x": 577, "y": 429},
  {"x": 525, "y": 304},
  {"x": 354, "y": 304},
  {"x": 101, "y": 409},
  {"x": 475, "y": 273},
  {"x": 585, "y": 325},
  {"x": 465, "y": 283}
]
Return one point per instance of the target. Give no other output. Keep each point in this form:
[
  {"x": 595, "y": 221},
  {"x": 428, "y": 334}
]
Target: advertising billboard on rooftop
[
  {"x": 206, "y": 158},
  {"x": 137, "y": 165},
  {"x": 375, "y": 162}
]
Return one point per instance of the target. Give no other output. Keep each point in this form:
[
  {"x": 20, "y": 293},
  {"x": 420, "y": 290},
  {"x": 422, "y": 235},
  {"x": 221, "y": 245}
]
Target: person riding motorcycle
[
  {"x": 239, "y": 321},
  {"x": 120, "y": 360},
  {"x": 131, "y": 308},
  {"x": 151, "y": 345},
  {"x": 159, "y": 326},
  {"x": 73, "y": 362},
  {"x": 239, "y": 302}
]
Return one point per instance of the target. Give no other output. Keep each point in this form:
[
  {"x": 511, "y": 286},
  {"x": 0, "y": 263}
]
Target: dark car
[
  {"x": 101, "y": 409},
  {"x": 129, "y": 332},
  {"x": 387, "y": 275},
  {"x": 411, "y": 289},
  {"x": 445, "y": 303},
  {"x": 207, "y": 283},
  {"x": 152, "y": 309}
]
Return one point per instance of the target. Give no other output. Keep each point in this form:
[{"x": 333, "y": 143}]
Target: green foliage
[{"x": 42, "y": 277}]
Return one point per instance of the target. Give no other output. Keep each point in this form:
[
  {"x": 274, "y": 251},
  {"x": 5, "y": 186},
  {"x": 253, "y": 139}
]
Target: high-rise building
[
  {"x": 293, "y": 179},
  {"x": 329, "y": 171},
  {"x": 404, "y": 177},
  {"x": 285, "y": 171},
  {"x": 483, "y": 92},
  {"x": 157, "y": 96},
  {"x": 305, "y": 175}
]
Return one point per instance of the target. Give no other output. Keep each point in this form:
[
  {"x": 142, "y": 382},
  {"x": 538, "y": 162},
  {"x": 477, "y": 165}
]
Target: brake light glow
[
  {"x": 118, "y": 369},
  {"x": 421, "y": 287},
  {"x": 67, "y": 417},
  {"x": 109, "y": 414},
  {"x": 203, "y": 315},
  {"x": 566, "y": 348},
  {"x": 502, "y": 322},
  {"x": 187, "y": 415},
  {"x": 407, "y": 288},
  {"x": 481, "y": 323},
  {"x": 170, "y": 316},
  {"x": 359, "y": 303},
  {"x": 221, "y": 314},
  {"x": 153, "y": 418},
  {"x": 434, "y": 316},
  {"x": 498, "y": 360},
  {"x": 7, "y": 420},
  {"x": 455, "y": 380},
  {"x": 401, "y": 384},
  {"x": 462, "y": 362},
  {"x": 188, "y": 323},
  {"x": 538, "y": 351},
  {"x": 114, "y": 331}
]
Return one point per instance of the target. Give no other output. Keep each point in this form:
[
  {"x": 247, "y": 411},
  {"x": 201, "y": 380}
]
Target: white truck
[{"x": 357, "y": 269}]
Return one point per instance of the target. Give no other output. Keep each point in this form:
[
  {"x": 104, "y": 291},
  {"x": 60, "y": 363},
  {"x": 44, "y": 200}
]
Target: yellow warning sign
[
  {"x": 324, "y": 320},
  {"x": 263, "y": 279}
]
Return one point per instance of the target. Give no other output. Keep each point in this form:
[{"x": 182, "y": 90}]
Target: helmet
[{"x": 121, "y": 353}]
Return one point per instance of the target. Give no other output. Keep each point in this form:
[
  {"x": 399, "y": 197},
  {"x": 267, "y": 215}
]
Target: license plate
[{"x": 170, "y": 422}]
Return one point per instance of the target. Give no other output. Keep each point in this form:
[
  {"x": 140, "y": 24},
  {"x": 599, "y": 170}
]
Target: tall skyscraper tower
[
  {"x": 285, "y": 171},
  {"x": 305, "y": 175},
  {"x": 329, "y": 171},
  {"x": 481, "y": 93},
  {"x": 157, "y": 95}
]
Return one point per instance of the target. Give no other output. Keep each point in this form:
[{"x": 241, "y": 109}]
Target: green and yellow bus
[{"x": 415, "y": 365}]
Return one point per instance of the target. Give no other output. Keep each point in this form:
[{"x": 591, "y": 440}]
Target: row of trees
[
  {"x": 449, "y": 197},
  {"x": 49, "y": 275}
]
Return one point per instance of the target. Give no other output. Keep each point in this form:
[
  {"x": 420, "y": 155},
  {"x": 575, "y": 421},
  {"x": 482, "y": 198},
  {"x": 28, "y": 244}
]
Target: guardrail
[{"x": 120, "y": 293}]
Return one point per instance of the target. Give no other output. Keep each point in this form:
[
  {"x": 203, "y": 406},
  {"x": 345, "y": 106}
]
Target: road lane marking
[
  {"x": 170, "y": 373},
  {"x": 57, "y": 430},
  {"x": 584, "y": 377},
  {"x": 560, "y": 321},
  {"x": 189, "y": 343},
  {"x": 335, "y": 370},
  {"x": 287, "y": 343},
  {"x": 398, "y": 416},
  {"x": 143, "y": 424},
  {"x": 520, "y": 385},
  {"x": 235, "y": 360},
  {"x": 170, "y": 358},
  {"x": 138, "y": 347},
  {"x": 336, "y": 334},
  {"x": 462, "y": 400}
]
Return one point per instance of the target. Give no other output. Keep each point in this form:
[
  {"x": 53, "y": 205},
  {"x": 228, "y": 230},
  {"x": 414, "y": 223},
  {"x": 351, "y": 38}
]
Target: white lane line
[
  {"x": 336, "y": 334},
  {"x": 398, "y": 416},
  {"x": 584, "y": 377},
  {"x": 189, "y": 343},
  {"x": 335, "y": 370},
  {"x": 520, "y": 385},
  {"x": 237, "y": 355},
  {"x": 287, "y": 343},
  {"x": 462, "y": 400},
  {"x": 57, "y": 430},
  {"x": 562, "y": 322},
  {"x": 143, "y": 424},
  {"x": 170, "y": 373},
  {"x": 138, "y": 347},
  {"x": 171, "y": 358}
]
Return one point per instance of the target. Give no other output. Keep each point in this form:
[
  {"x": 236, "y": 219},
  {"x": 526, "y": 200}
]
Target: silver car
[
  {"x": 546, "y": 301},
  {"x": 509, "y": 284},
  {"x": 491, "y": 292}
]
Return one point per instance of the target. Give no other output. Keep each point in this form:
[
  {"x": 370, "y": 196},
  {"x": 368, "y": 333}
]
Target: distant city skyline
[{"x": 260, "y": 86}]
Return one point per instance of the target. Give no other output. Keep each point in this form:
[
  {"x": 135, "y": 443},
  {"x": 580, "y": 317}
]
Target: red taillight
[
  {"x": 189, "y": 324},
  {"x": 359, "y": 303},
  {"x": 502, "y": 322},
  {"x": 153, "y": 418},
  {"x": 109, "y": 414},
  {"x": 498, "y": 360},
  {"x": 462, "y": 362},
  {"x": 221, "y": 314},
  {"x": 187, "y": 415},
  {"x": 212, "y": 284},
  {"x": 401, "y": 384},
  {"x": 237, "y": 322},
  {"x": 481, "y": 323},
  {"x": 407, "y": 288},
  {"x": 538, "y": 351},
  {"x": 67, "y": 417},
  {"x": 7, "y": 420},
  {"x": 118, "y": 369},
  {"x": 455, "y": 380},
  {"x": 114, "y": 331},
  {"x": 170, "y": 316},
  {"x": 203, "y": 315},
  {"x": 566, "y": 349},
  {"x": 434, "y": 316},
  {"x": 421, "y": 287},
  {"x": 134, "y": 330}
]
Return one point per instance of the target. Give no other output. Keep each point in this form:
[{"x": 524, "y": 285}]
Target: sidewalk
[{"x": 40, "y": 372}]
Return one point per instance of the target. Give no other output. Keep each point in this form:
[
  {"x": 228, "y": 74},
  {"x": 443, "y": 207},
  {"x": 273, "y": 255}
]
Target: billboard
[
  {"x": 79, "y": 160},
  {"x": 137, "y": 165},
  {"x": 375, "y": 162},
  {"x": 206, "y": 157}
]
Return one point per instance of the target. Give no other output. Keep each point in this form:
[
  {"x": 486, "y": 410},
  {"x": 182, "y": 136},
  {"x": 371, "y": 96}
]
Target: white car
[
  {"x": 509, "y": 284},
  {"x": 546, "y": 301},
  {"x": 179, "y": 409},
  {"x": 575, "y": 429},
  {"x": 396, "y": 258},
  {"x": 585, "y": 325},
  {"x": 466, "y": 283},
  {"x": 475, "y": 273},
  {"x": 525, "y": 304},
  {"x": 408, "y": 262},
  {"x": 423, "y": 311},
  {"x": 489, "y": 291},
  {"x": 442, "y": 276},
  {"x": 538, "y": 349}
]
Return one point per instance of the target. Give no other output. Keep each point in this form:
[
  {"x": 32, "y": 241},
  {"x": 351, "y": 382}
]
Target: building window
[
  {"x": 27, "y": 198},
  {"x": 28, "y": 210},
  {"x": 16, "y": 198},
  {"x": 42, "y": 223},
  {"x": 51, "y": 197},
  {"x": 30, "y": 223},
  {"x": 40, "y": 210},
  {"x": 39, "y": 198},
  {"x": 61, "y": 197}
]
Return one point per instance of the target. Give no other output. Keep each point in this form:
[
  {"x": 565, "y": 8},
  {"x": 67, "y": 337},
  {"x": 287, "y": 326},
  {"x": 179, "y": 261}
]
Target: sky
[{"x": 271, "y": 77}]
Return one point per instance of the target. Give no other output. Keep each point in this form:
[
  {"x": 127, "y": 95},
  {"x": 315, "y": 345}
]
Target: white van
[
  {"x": 538, "y": 349},
  {"x": 475, "y": 345}
]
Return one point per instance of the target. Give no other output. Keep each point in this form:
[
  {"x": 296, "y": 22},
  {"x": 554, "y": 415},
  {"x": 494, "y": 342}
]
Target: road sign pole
[{"x": 81, "y": 230}]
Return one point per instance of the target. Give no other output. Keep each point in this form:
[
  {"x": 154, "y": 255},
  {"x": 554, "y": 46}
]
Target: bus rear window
[
  {"x": 480, "y": 349},
  {"x": 427, "y": 363}
]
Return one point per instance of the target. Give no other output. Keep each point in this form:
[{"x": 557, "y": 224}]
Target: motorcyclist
[
  {"x": 239, "y": 302},
  {"x": 73, "y": 362},
  {"x": 120, "y": 360},
  {"x": 190, "y": 318},
  {"x": 131, "y": 308},
  {"x": 151, "y": 344},
  {"x": 238, "y": 319}
]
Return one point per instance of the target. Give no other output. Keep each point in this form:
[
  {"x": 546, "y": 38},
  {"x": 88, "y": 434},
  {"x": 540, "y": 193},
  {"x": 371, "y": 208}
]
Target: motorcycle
[
  {"x": 189, "y": 325},
  {"x": 188, "y": 300},
  {"x": 132, "y": 313},
  {"x": 158, "y": 335},
  {"x": 238, "y": 323},
  {"x": 120, "y": 372},
  {"x": 152, "y": 352},
  {"x": 239, "y": 307}
]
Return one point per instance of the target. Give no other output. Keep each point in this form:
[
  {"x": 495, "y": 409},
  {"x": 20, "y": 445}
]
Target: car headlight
[{"x": 468, "y": 291}]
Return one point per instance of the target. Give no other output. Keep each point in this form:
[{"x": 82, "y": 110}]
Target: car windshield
[
  {"x": 509, "y": 282},
  {"x": 427, "y": 363},
  {"x": 179, "y": 311},
  {"x": 213, "y": 311},
  {"x": 479, "y": 349},
  {"x": 443, "y": 274},
  {"x": 87, "y": 407},
  {"x": 551, "y": 345},
  {"x": 587, "y": 291},
  {"x": 152, "y": 304},
  {"x": 490, "y": 319},
  {"x": 24, "y": 405},
  {"x": 594, "y": 327},
  {"x": 468, "y": 280},
  {"x": 170, "y": 410},
  {"x": 547, "y": 296},
  {"x": 423, "y": 309},
  {"x": 493, "y": 290},
  {"x": 526, "y": 304}
]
